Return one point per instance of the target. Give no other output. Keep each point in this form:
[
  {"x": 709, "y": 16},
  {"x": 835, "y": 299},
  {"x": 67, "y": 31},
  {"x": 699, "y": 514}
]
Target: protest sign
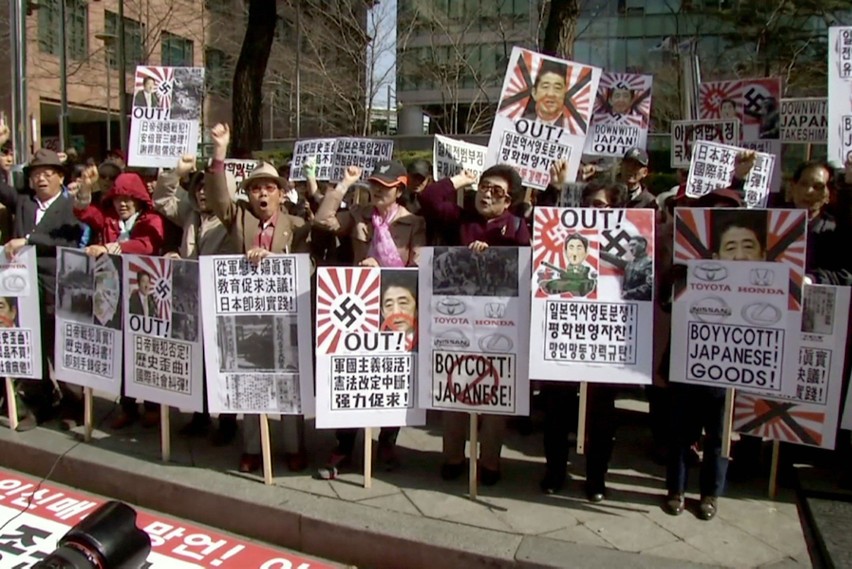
[
  {"x": 240, "y": 168},
  {"x": 804, "y": 120},
  {"x": 451, "y": 157},
  {"x": 621, "y": 115},
  {"x": 712, "y": 168},
  {"x": 592, "y": 295},
  {"x": 361, "y": 152},
  {"x": 166, "y": 115},
  {"x": 839, "y": 94},
  {"x": 20, "y": 312},
  {"x": 255, "y": 319},
  {"x": 754, "y": 102},
  {"x": 736, "y": 319},
  {"x": 475, "y": 341},
  {"x": 810, "y": 416},
  {"x": 162, "y": 347},
  {"x": 321, "y": 150},
  {"x": 686, "y": 133},
  {"x": 543, "y": 115},
  {"x": 846, "y": 423},
  {"x": 88, "y": 345},
  {"x": 366, "y": 338},
  {"x": 35, "y": 515}
]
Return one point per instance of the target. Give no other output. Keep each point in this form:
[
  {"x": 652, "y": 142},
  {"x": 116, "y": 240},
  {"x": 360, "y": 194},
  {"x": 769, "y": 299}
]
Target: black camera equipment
[{"x": 107, "y": 539}]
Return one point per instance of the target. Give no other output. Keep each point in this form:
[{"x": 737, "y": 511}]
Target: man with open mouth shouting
[{"x": 258, "y": 227}]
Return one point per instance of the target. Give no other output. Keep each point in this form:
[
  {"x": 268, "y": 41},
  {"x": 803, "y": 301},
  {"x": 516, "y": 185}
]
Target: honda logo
[
  {"x": 495, "y": 310},
  {"x": 762, "y": 277}
]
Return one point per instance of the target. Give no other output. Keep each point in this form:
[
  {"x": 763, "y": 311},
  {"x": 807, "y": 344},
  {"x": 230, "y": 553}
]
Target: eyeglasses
[
  {"x": 258, "y": 187},
  {"x": 496, "y": 191}
]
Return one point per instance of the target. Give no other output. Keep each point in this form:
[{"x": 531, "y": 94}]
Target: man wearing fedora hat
[
  {"x": 44, "y": 218},
  {"x": 258, "y": 227},
  {"x": 203, "y": 234}
]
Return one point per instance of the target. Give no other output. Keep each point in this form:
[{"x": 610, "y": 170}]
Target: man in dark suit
[
  {"x": 147, "y": 97},
  {"x": 44, "y": 218},
  {"x": 142, "y": 301}
]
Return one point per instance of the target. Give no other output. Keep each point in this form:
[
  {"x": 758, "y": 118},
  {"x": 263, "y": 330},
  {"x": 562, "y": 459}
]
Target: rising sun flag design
[{"x": 348, "y": 300}]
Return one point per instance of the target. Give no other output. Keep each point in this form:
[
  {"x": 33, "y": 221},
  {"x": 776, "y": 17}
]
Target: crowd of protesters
[{"x": 184, "y": 213}]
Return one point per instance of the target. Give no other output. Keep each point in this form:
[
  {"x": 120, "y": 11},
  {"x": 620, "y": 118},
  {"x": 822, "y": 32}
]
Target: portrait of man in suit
[
  {"x": 142, "y": 300},
  {"x": 147, "y": 97},
  {"x": 548, "y": 94}
]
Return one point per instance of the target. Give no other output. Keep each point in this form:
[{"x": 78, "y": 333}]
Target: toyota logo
[
  {"x": 710, "y": 272},
  {"x": 450, "y": 306}
]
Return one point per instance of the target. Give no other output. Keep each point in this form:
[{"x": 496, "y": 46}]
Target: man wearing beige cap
[{"x": 258, "y": 227}]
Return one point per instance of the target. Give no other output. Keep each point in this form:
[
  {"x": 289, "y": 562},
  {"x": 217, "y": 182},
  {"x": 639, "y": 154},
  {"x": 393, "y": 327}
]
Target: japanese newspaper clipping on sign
[
  {"x": 736, "y": 319},
  {"x": 88, "y": 320},
  {"x": 255, "y": 319},
  {"x": 366, "y": 344},
  {"x": 450, "y": 157},
  {"x": 320, "y": 151},
  {"x": 20, "y": 310},
  {"x": 756, "y": 103},
  {"x": 686, "y": 133},
  {"x": 543, "y": 115},
  {"x": 839, "y": 94},
  {"x": 804, "y": 121},
  {"x": 712, "y": 168},
  {"x": 361, "y": 152},
  {"x": 36, "y": 515},
  {"x": 810, "y": 417},
  {"x": 621, "y": 116},
  {"x": 475, "y": 340},
  {"x": 162, "y": 347},
  {"x": 166, "y": 115},
  {"x": 592, "y": 295}
]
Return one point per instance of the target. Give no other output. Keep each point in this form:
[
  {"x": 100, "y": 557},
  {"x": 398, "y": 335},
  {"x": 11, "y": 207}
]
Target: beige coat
[
  {"x": 407, "y": 230},
  {"x": 291, "y": 232},
  {"x": 203, "y": 234}
]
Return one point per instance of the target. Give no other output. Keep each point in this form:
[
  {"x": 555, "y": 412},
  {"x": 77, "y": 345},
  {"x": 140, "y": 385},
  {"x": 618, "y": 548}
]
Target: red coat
[{"x": 148, "y": 233}]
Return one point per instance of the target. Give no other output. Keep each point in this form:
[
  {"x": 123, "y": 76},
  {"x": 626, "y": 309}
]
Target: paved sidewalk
[{"x": 512, "y": 522}]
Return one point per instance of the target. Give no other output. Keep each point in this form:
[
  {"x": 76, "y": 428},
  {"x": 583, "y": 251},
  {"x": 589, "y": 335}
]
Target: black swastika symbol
[
  {"x": 348, "y": 312},
  {"x": 616, "y": 243},
  {"x": 753, "y": 102},
  {"x": 163, "y": 289}
]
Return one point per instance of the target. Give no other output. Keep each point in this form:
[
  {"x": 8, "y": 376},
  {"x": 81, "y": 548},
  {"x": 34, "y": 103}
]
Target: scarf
[
  {"x": 382, "y": 247},
  {"x": 125, "y": 227}
]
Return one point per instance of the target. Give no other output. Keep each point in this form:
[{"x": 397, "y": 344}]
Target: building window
[
  {"x": 216, "y": 71},
  {"x": 176, "y": 51},
  {"x": 134, "y": 34},
  {"x": 76, "y": 28}
]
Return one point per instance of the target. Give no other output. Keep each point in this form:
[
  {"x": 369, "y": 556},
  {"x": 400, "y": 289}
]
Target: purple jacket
[{"x": 438, "y": 204}]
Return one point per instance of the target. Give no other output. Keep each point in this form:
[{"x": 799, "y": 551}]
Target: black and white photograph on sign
[
  {"x": 75, "y": 286},
  {"x": 818, "y": 311},
  {"x": 106, "y": 306},
  {"x": 185, "y": 312},
  {"x": 258, "y": 343},
  {"x": 458, "y": 271},
  {"x": 187, "y": 94}
]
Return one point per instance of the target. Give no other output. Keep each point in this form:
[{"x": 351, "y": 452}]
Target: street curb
[{"x": 345, "y": 532}]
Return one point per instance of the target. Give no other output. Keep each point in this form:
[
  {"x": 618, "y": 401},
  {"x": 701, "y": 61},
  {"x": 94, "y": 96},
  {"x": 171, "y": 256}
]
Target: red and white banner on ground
[{"x": 50, "y": 511}]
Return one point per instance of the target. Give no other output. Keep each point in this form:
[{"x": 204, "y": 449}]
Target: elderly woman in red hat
[{"x": 124, "y": 222}]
